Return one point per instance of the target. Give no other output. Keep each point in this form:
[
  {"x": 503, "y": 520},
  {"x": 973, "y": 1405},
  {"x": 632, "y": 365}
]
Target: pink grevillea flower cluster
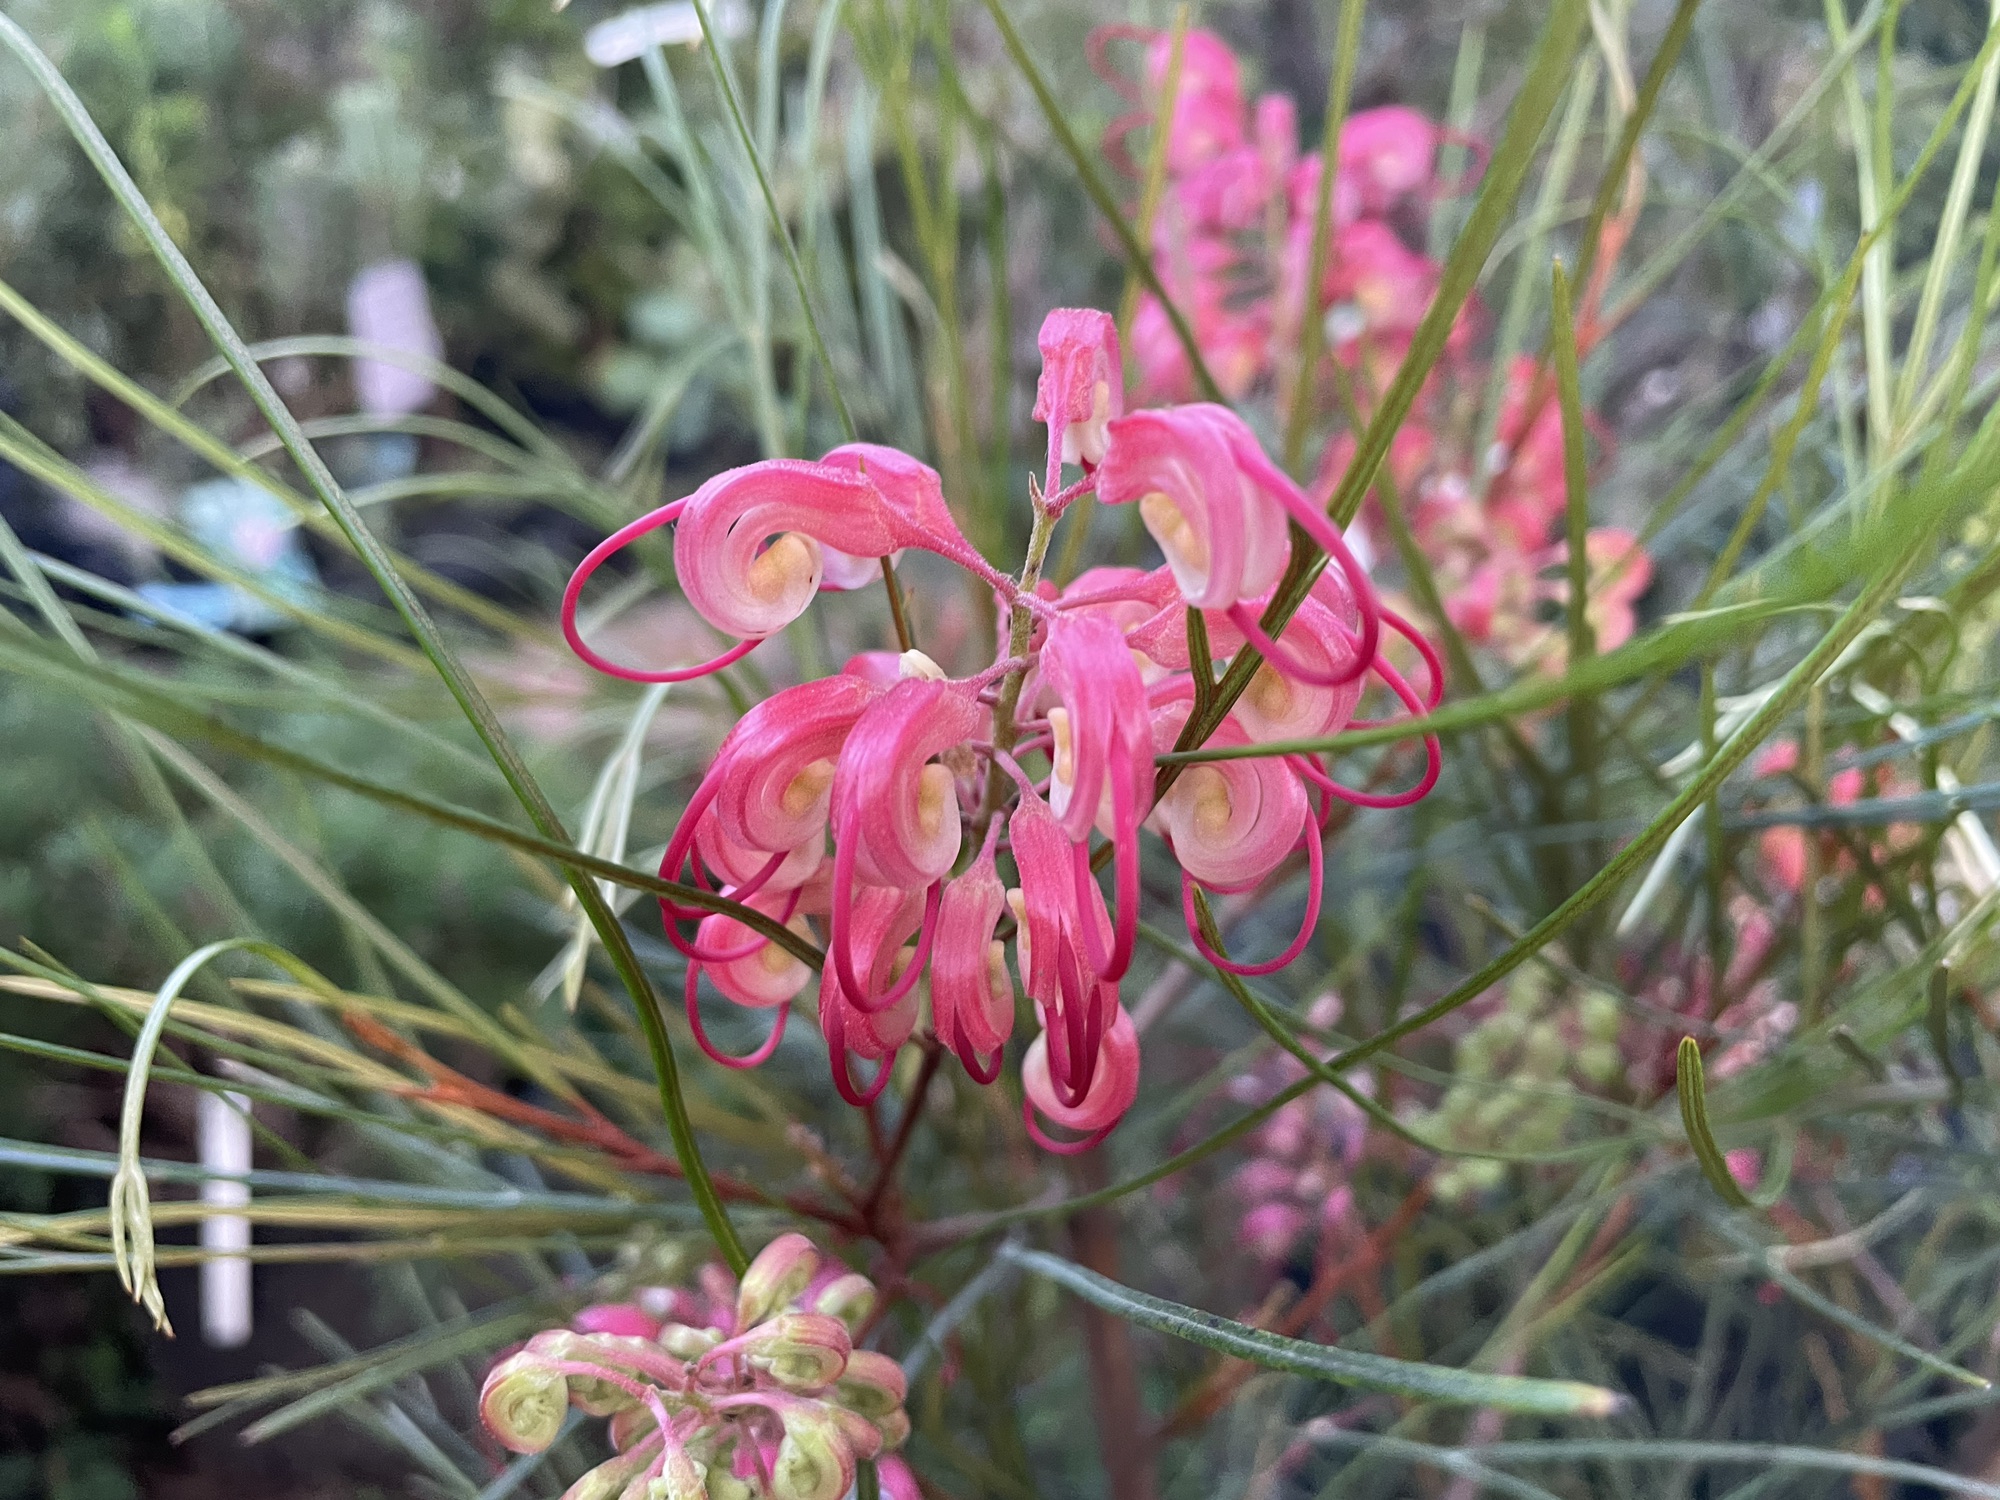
[
  {"x": 1232, "y": 245},
  {"x": 906, "y": 818},
  {"x": 1233, "y": 232},
  {"x": 757, "y": 1396}
]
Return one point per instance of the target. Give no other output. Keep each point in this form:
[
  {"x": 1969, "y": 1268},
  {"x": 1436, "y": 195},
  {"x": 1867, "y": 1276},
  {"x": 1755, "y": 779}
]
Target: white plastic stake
[{"x": 222, "y": 1134}]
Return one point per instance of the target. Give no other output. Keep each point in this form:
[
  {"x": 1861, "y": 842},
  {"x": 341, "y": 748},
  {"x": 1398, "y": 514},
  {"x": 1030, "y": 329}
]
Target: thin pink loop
[
  {"x": 874, "y": 1007},
  {"x": 980, "y": 1073},
  {"x": 840, "y": 921},
  {"x": 677, "y": 850},
  {"x": 1315, "y": 886},
  {"x": 1433, "y": 664},
  {"x": 749, "y": 1060},
  {"x": 1062, "y": 1148},
  {"x": 1110, "y": 967},
  {"x": 593, "y": 560},
  {"x": 1095, "y": 53},
  {"x": 1319, "y": 526},
  {"x": 1433, "y": 754},
  {"x": 835, "y": 1024},
  {"x": 1474, "y": 169},
  {"x": 1281, "y": 659},
  {"x": 1309, "y": 771}
]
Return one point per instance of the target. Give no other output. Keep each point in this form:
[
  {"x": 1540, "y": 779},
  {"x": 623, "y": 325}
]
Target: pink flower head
[
  {"x": 1375, "y": 285},
  {"x": 1082, "y": 385},
  {"x": 1111, "y": 1092},
  {"x": 1528, "y": 492},
  {"x": 1388, "y": 153},
  {"x": 1220, "y": 523},
  {"x": 1208, "y": 109},
  {"x": 748, "y": 589},
  {"x": 895, "y": 809},
  {"x": 1234, "y": 340},
  {"x": 1230, "y": 822},
  {"x": 972, "y": 999},
  {"x": 774, "y": 774},
  {"x": 1620, "y": 572}
]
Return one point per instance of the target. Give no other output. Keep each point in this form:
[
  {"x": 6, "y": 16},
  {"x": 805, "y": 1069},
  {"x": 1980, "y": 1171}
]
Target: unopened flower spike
[{"x": 1082, "y": 385}]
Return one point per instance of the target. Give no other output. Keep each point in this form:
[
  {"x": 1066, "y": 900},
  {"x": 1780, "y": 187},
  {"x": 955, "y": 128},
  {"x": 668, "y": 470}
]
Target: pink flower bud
[
  {"x": 800, "y": 1351},
  {"x": 873, "y": 1385},
  {"x": 1216, "y": 507},
  {"x": 523, "y": 1402},
  {"x": 783, "y": 1269},
  {"x": 1082, "y": 384},
  {"x": 898, "y": 1483},
  {"x": 851, "y": 1298},
  {"x": 621, "y": 1318},
  {"x": 1388, "y": 153},
  {"x": 1208, "y": 108},
  {"x": 815, "y": 1460}
]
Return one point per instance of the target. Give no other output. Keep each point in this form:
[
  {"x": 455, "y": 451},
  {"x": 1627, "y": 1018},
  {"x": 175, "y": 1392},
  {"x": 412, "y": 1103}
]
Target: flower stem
[{"x": 1021, "y": 629}]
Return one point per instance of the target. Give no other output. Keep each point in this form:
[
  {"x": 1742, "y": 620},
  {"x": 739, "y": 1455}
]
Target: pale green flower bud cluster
[
  {"x": 776, "y": 1404},
  {"x": 1516, "y": 1077}
]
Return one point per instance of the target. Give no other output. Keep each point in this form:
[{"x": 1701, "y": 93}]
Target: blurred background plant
[{"x": 553, "y": 233}]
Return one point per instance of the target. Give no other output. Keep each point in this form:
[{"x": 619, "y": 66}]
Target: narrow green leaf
[
  {"x": 1137, "y": 256},
  {"x": 1348, "y": 1367},
  {"x": 1694, "y": 1119},
  {"x": 320, "y": 479}
]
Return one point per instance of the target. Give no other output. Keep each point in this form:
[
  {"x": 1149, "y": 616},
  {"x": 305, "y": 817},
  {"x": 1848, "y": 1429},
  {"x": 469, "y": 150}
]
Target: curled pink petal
[
  {"x": 882, "y": 922},
  {"x": 972, "y": 999},
  {"x": 738, "y": 865},
  {"x": 1208, "y": 107},
  {"x": 1230, "y": 822},
  {"x": 573, "y": 595},
  {"x": 748, "y": 968},
  {"x": 1222, "y": 531},
  {"x": 774, "y": 773},
  {"x": 1082, "y": 385},
  {"x": 1111, "y": 1092},
  {"x": 895, "y": 810},
  {"x": 1315, "y": 886},
  {"x": 738, "y": 583}
]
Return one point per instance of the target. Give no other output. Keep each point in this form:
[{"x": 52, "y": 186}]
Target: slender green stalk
[
  {"x": 1312, "y": 330},
  {"x": 1137, "y": 256},
  {"x": 321, "y": 481},
  {"x": 1733, "y": 753},
  {"x": 1548, "y": 73}
]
